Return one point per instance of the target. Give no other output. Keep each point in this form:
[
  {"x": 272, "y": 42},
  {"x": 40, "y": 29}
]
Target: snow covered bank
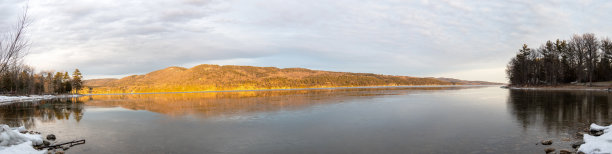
[
  {"x": 562, "y": 88},
  {"x": 12, "y": 99},
  {"x": 12, "y": 141},
  {"x": 597, "y": 144}
]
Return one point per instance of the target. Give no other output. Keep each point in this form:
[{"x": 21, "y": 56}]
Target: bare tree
[
  {"x": 13, "y": 46},
  {"x": 591, "y": 45},
  {"x": 576, "y": 44},
  {"x": 605, "y": 67}
]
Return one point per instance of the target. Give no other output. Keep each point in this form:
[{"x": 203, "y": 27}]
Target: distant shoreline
[
  {"x": 290, "y": 89},
  {"x": 4, "y": 100},
  {"x": 8, "y": 99},
  {"x": 562, "y": 88}
]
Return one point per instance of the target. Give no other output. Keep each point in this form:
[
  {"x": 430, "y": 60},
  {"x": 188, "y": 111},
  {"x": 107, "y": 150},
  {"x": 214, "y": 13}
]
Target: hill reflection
[
  {"x": 237, "y": 103},
  {"x": 555, "y": 111},
  {"x": 206, "y": 105}
]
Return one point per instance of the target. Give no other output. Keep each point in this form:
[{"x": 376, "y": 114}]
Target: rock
[
  {"x": 580, "y": 133},
  {"x": 51, "y": 137},
  {"x": 549, "y": 150},
  {"x": 46, "y": 143},
  {"x": 59, "y": 152},
  {"x": 577, "y": 144},
  {"x": 547, "y": 142},
  {"x": 566, "y": 139},
  {"x": 565, "y": 151},
  {"x": 596, "y": 132}
]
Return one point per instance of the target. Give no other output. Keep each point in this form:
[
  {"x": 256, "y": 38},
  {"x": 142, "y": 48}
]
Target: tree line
[
  {"x": 24, "y": 81},
  {"x": 19, "y": 79},
  {"x": 581, "y": 59}
]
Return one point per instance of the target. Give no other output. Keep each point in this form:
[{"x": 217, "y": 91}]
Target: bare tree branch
[{"x": 13, "y": 47}]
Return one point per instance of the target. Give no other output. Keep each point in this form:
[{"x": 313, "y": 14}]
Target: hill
[
  {"x": 465, "y": 82},
  {"x": 214, "y": 77},
  {"x": 98, "y": 82}
]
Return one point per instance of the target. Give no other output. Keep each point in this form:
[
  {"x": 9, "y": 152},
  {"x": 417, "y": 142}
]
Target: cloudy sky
[{"x": 471, "y": 39}]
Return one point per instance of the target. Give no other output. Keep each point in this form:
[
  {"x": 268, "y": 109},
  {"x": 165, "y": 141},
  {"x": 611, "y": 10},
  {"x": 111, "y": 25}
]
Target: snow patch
[
  {"x": 12, "y": 99},
  {"x": 597, "y": 144},
  {"x": 595, "y": 127},
  {"x": 12, "y": 141},
  {"x": 23, "y": 148}
]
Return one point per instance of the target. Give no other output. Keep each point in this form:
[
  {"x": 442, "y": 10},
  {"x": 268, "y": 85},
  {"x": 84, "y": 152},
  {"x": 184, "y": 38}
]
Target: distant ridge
[
  {"x": 465, "y": 82},
  {"x": 207, "y": 77}
]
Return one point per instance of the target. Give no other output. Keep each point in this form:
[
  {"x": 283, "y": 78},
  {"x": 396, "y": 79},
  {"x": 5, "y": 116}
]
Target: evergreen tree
[
  {"x": 77, "y": 83},
  {"x": 582, "y": 59},
  {"x": 67, "y": 83},
  {"x": 57, "y": 81}
]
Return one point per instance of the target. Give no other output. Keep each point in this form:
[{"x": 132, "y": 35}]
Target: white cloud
[{"x": 417, "y": 38}]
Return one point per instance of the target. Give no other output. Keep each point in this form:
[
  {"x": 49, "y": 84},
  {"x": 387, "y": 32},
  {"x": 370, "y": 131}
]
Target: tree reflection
[
  {"x": 557, "y": 111},
  {"x": 213, "y": 104},
  {"x": 208, "y": 104},
  {"x": 27, "y": 113}
]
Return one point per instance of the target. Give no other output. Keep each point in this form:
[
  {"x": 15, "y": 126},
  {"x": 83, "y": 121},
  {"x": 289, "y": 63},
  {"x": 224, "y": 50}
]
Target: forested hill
[{"x": 214, "y": 77}]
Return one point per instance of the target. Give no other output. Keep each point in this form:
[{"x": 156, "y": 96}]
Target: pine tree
[
  {"x": 67, "y": 83},
  {"x": 77, "y": 83},
  {"x": 57, "y": 81}
]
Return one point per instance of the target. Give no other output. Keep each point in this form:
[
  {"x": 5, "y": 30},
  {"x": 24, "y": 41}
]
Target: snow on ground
[
  {"x": 23, "y": 148},
  {"x": 12, "y": 99},
  {"x": 597, "y": 144},
  {"x": 12, "y": 141}
]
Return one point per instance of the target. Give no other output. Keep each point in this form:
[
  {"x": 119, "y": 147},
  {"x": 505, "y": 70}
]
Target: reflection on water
[
  {"x": 354, "y": 120},
  {"x": 236, "y": 103},
  {"x": 560, "y": 111},
  {"x": 25, "y": 114},
  {"x": 207, "y": 104}
]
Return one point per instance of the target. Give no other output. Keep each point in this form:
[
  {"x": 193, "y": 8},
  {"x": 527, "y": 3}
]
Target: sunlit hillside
[{"x": 214, "y": 77}]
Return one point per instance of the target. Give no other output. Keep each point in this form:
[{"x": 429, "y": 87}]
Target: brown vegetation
[{"x": 214, "y": 78}]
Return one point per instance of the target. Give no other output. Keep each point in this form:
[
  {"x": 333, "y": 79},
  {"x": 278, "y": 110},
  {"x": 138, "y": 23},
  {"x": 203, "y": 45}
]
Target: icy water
[{"x": 360, "y": 120}]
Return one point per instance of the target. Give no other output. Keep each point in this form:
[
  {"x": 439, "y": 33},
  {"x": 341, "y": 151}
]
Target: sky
[{"x": 464, "y": 39}]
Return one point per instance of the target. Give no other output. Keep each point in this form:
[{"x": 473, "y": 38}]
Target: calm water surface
[{"x": 368, "y": 120}]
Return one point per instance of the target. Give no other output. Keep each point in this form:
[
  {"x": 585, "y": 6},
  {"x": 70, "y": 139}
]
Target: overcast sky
[{"x": 471, "y": 39}]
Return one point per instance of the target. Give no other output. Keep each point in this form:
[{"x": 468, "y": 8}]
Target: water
[{"x": 368, "y": 120}]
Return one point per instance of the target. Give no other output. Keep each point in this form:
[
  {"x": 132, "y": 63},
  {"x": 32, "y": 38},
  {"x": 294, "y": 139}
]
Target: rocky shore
[
  {"x": 591, "y": 140},
  {"x": 20, "y": 140}
]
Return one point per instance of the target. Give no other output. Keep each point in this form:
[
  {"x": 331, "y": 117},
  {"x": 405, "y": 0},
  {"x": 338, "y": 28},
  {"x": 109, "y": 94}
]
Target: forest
[
  {"x": 16, "y": 78},
  {"x": 583, "y": 59}
]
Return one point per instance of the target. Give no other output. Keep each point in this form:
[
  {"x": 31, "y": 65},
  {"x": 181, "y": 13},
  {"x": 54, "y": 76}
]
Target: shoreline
[
  {"x": 289, "y": 89},
  {"x": 5, "y": 100},
  {"x": 561, "y": 88}
]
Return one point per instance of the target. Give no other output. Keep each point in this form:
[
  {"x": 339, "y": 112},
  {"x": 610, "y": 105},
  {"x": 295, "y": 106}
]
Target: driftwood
[{"x": 61, "y": 145}]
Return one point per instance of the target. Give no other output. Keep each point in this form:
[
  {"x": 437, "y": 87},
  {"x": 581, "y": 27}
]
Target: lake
[{"x": 461, "y": 119}]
